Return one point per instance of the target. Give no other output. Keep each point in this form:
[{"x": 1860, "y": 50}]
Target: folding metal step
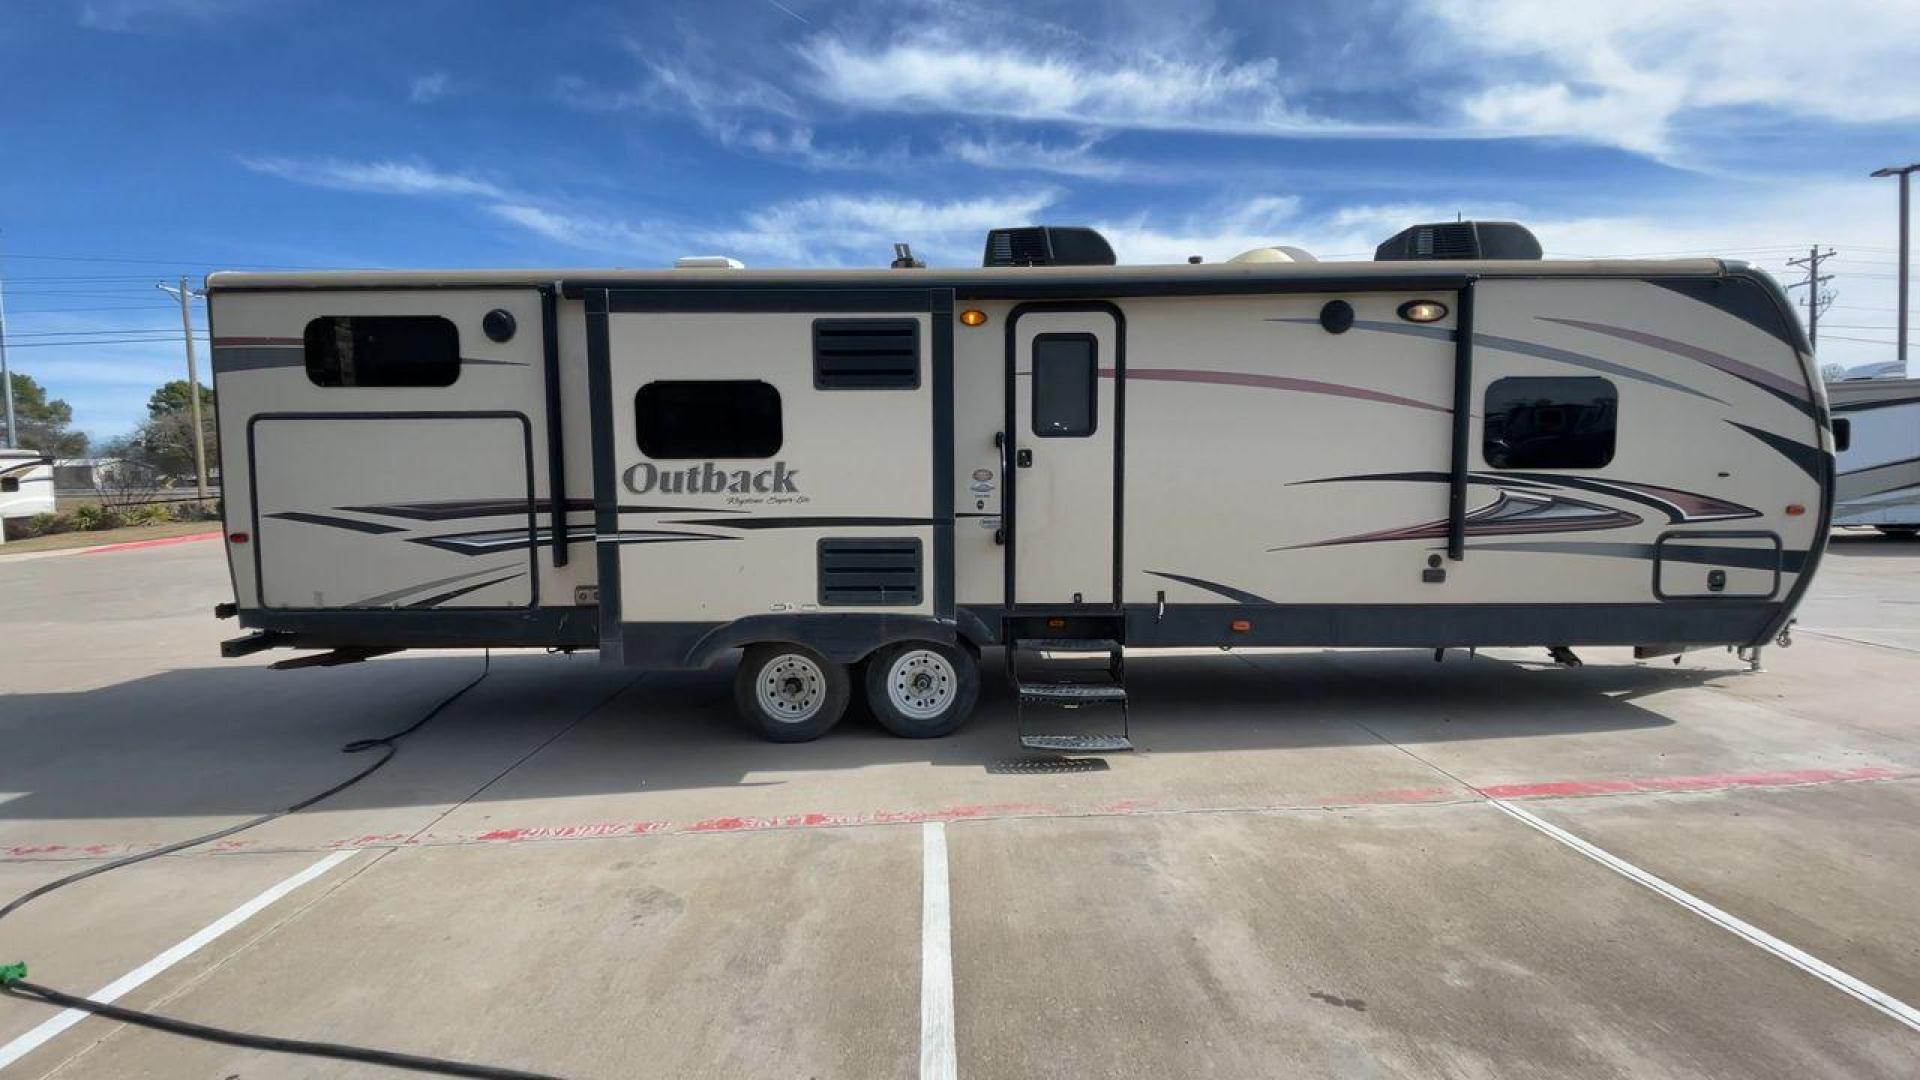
[
  {"x": 1072, "y": 693},
  {"x": 1092, "y": 744},
  {"x": 1064, "y": 681},
  {"x": 1088, "y": 645}
]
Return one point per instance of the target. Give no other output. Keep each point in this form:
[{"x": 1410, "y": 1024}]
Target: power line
[
  {"x": 104, "y": 307},
  {"x": 1862, "y": 340},
  {"x": 101, "y": 341},
  {"x": 100, "y": 333},
  {"x": 158, "y": 262}
]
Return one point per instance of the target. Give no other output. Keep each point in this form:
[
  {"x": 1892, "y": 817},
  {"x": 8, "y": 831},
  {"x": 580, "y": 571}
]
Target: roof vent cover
[
  {"x": 1047, "y": 245},
  {"x": 1460, "y": 240}
]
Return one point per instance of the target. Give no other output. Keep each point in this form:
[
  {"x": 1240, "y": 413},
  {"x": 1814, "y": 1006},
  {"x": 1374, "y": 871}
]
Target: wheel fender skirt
[{"x": 842, "y": 638}]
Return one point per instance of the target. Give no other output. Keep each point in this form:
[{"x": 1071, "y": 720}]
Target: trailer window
[
  {"x": 1550, "y": 423},
  {"x": 1065, "y": 380},
  {"x": 708, "y": 418},
  {"x": 382, "y": 350}
]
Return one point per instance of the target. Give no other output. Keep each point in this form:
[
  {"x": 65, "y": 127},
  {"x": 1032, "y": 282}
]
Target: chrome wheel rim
[
  {"x": 791, "y": 688},
  {"x": 921, "y": 684}
]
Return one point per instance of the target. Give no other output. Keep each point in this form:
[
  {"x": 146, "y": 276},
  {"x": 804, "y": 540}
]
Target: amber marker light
[
  {"x": 1795, "y": 509},
  {"x": 973, "y": 317},
  {"x": 1240, "y": 626}
]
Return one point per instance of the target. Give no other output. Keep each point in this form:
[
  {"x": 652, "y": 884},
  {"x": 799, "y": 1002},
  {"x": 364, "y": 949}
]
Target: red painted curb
[{"x": 132, "y": 545}]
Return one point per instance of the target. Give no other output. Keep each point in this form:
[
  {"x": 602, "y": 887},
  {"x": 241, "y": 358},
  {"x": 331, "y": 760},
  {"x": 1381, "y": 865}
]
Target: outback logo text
[{"x": 708, "y": 478}]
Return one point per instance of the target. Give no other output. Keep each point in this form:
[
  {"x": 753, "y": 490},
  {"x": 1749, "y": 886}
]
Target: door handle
[{"x": 1023, "y": 459}]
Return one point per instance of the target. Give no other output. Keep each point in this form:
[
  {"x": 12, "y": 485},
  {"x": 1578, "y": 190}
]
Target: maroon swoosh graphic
[
  {"x": 1271, "y": 382},
  {"x": 1478, "y": 523},
  {"x": 1737, "y": 368}
]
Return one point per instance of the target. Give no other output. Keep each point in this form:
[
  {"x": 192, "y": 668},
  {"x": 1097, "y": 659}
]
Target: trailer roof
[{"x": 986, "y": 281}]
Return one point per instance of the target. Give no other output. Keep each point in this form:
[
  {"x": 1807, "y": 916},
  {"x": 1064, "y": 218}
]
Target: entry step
[
  {"x": 1093, "y": 744},
  {"x": 1102, "y": 645},
  {"x": 1072, "y": 693}
]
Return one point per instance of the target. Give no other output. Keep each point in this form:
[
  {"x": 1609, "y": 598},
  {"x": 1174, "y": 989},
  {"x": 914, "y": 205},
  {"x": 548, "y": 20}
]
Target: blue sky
[{"x": 142, "y": 139}]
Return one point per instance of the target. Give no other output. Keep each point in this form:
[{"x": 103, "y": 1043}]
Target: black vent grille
[
  {"x": 1448, "y": 241},
  {"x": 1019, "y": 247},
  {"x": 869, "y": 572},
  {"x": 866, "y": 354}
]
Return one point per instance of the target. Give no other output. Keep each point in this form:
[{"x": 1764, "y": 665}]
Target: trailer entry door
[{"x": 1065, "y": 428}]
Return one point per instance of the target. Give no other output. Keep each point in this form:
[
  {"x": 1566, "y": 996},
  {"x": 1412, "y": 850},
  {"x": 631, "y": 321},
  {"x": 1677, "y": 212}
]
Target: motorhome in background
[
  {"x": 26, "y": 485},
  {"x": 876, "y": 474},
  {"x": 1879, "y": 470}
]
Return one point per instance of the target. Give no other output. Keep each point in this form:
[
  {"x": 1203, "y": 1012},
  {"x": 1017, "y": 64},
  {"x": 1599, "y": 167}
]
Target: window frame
[
  {"x": 1093, "y": 384},
  {"x": 313, "y": 374},
  {"x": 1487, "y": 413},
  {"x": 640, "y": 425}
]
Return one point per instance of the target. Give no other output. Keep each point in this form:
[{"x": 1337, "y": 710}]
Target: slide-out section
[{"x": 393, "y": 511}]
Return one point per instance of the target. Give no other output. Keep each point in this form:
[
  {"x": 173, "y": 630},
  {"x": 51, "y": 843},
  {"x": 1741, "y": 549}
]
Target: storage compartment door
[
  {"x": 1712, "y": 565},
  {"x": 376, "y": 511}
]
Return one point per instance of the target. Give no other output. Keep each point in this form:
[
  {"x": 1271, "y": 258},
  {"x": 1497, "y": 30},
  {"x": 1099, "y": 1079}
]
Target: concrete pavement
[{"x": 589, "y": 873}]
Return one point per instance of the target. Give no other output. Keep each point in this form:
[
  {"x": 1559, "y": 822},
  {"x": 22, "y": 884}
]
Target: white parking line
[
  {"x": 125, "y": 984},
  {"x": 1812, "y": 965},
  {"x": 937, "y": 1058}
]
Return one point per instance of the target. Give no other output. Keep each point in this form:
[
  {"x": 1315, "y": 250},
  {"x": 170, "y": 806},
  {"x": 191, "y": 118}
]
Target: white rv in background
[
  {"x": 1879, "y": 481},
  {"x": 26, "y": 485},
  {"x": 874, "y": 474}
]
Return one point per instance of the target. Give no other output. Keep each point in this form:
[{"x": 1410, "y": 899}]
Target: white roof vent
[
  {"x": 708, "y": 262},
  {"x": 1277, "y": 253}
]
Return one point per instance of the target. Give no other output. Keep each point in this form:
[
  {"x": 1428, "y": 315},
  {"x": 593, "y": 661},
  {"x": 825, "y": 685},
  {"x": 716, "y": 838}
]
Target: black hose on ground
[{"x": 13, "y": 977}]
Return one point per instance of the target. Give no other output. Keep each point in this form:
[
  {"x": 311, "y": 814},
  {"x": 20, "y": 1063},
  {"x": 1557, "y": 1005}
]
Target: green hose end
[{"x": 13, "y": 973}]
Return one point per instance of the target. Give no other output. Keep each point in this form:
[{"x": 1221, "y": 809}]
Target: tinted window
[
  {"x": 1550, "y": 423},
  {"x": 383, "y": 350},
  {"x": 1064, "y": 377},
  {"x": 708, "y": 418}
]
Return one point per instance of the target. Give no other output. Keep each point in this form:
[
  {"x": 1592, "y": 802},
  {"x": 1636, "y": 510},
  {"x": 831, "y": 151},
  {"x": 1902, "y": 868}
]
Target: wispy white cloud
[
  {"x": 585, "y": 231},
  {"x": 1625, "y": 73},
  {"x": 1079, "y": 158},
  {"x": 429, "y": 88},
  {"x": 378, "y": 177},
  {"x": 122, "y": 16},
  {"x": 949, "y": 71},
  {"x": 860, "y": 229}
]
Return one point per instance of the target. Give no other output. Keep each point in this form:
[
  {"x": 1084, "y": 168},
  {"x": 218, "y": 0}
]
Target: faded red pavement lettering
[
  {"x": 509, "y": 834},
  {"x": 1786, "y": 778}
]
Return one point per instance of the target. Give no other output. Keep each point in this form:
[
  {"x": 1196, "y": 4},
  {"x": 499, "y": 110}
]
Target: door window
[{"x": 1066, "y": 374}]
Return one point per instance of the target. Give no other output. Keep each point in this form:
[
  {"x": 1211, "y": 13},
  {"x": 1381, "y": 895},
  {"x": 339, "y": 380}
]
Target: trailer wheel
[
  {"x": 789, "y": 693},
  {"x": 922, "y": 689}
]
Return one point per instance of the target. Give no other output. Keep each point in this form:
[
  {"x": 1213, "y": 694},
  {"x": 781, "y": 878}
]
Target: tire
[
  {"x": 922, "y": 689},
  {"x": 789, "y": 693}
]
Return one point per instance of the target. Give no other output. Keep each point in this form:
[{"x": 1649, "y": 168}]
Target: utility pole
[
  {"x": 6, "y": 375},
  {"x": 1904, "y": 172},
  {"x": 1817, "y": 297},
  {"x": 185, "y": 296}
]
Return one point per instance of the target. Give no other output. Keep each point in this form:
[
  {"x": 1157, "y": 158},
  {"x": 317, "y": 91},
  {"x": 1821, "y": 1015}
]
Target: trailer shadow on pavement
[{"x": 243, "y": 740}]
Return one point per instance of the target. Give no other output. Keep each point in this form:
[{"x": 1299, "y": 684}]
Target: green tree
[
  {"x": 44, "y": 422},
  {"x": 172, "y": 398},
  {"x": 164, "y": 445}
]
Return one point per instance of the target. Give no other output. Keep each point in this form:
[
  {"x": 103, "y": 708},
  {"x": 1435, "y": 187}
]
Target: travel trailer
[
  {"x": 869, "y": 476},
  {"x": 1879, "y": 472},
  {"x": 26, "y": 485}
]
